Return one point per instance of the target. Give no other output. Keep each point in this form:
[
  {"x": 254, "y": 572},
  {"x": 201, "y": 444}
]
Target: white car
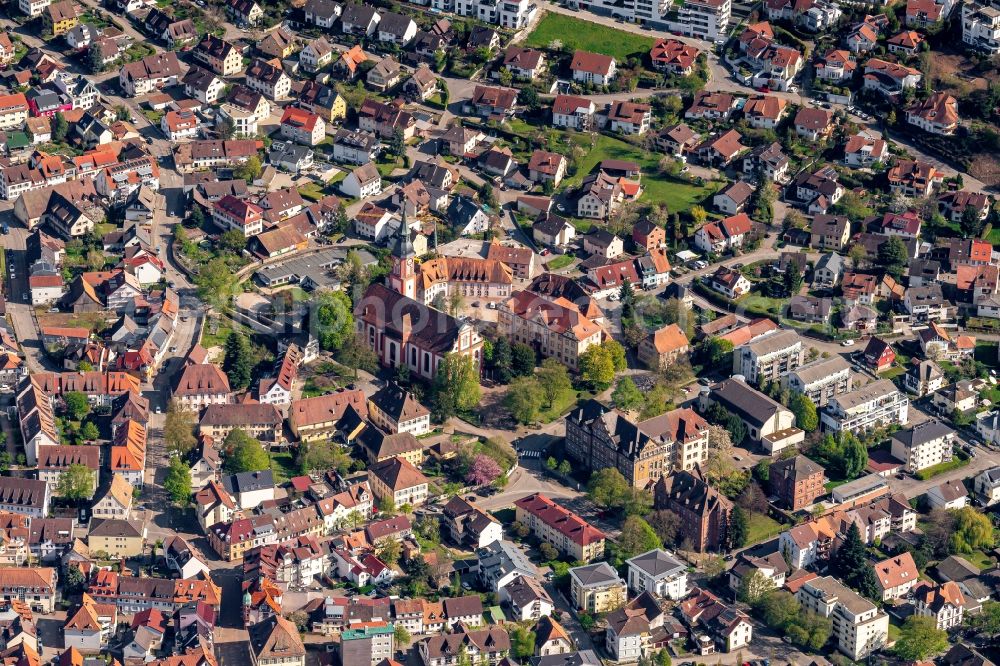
[{"x": 847, "y": 343}]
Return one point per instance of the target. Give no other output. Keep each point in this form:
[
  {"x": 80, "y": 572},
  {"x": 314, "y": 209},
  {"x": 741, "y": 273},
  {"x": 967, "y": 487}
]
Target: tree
[
  {"x": 232, "y": 241},
  {"x": 502, "y": 361},
  {"x": 919, "y": 639},
  {"x": 238, "y": 362},
  {"x": 506, "y": 77},
  {"x": 805, "y": 412},
  {"x": 250, "y": 170},
  {"x": 399, "y": 633},
  {"x": 753, "y": 586},
  {"x": 455, "y": 303},
  {"x": 938, "y": 529},
  {"x": 484, "y": 470},
  {"x": 76, "y": 483},
  {"x": 224, "y": 127},
  {"x": 971, "y": 224},
  {"x": 178, "y": 481},
  {"x": 893, "y": 256},
  {"x": 793, "y": 278},
  {"x": 987, "y": 621},
  {"x": 608, "y": 488},
  {"x": 357, "y": 355},
  {"x": 753, "y": 499},
  {"x": 853, "y": 206},
  {"x": 397, "y": 143},
  {"x": 778, "y": 608},
  {"x": 178, "y": 430},
  {"x": 522, "y": 360},
  {"x": 972, "y": 531},
  {"x": 596, "y": 366},
  {"x": 89, "y": 431},
  {"x": 390, "y": 551},
  {"x": 553, "y": 378},
  {"x": 524, "y": 399},
  {"x": 77, "y": 405},
  {"x": 334, "y": 319},
  {"x": 719, "y": 352},
  {"x": 243, "y": 453},
  {"x": 216, "y": 283},
  {"x": 456, "y": 386},
  {"x": 617, "y": 354},
  {"x": 60, "y": 127},
  {"x": 637, "y": 537},
  {"x": 855, "y": 455},
  {"x": 666, "y": 524},
  {"x": 522, "y": 643},
  {"x": 487, "y": 195},
  {"x": 548, "y": 551},
  {"x": 627, "y": 395},
  {"x": 739, "y": 528},
  {"x": 74, "y": 582}
]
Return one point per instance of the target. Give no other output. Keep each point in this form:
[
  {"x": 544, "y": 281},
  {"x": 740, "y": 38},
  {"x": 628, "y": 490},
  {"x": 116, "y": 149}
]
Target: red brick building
[
  {"x": 704, "y": 512},
  {"x": 797, "y": 482}
]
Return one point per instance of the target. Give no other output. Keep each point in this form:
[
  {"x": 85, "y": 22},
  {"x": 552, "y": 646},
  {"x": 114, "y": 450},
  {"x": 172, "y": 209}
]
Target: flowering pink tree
[{"x": 484, "y": 470}]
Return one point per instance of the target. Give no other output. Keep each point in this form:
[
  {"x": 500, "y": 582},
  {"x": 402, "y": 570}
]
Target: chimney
[{"x": 406, "y": 327}]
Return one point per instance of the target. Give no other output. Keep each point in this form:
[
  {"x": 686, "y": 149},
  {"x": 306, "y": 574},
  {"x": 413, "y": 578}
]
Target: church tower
[{"x": 403, "y": 278}]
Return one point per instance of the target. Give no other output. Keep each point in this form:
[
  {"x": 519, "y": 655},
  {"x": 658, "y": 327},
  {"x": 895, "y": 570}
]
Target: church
[{"x": 402, "y": 329}]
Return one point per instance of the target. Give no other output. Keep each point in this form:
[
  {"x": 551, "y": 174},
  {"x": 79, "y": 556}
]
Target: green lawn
[
  {"x": 676, "y": 194},
  {"x": 562, "y": 261},
  {"x": 283, "y": 467},
  {"x": 762, "y": 303},
  {"x": 579, "y": 34},
  {"x": 979, "y": 559},
  {"x": 830, "y": 485},
  {"x": 762, "y": 528},
  {"x": 561, "y": 405},
  {"x": 218, "y": 338},
  {"x": 941, "y": 468},
  {"x": 311, "y": 191},
  {"x": 994, "y": 236},
  {"x": 893, "y": 372}
]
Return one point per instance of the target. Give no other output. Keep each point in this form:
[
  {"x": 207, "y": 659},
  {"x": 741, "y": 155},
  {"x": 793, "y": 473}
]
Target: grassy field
[
  {"x": 772, "y": 305},
  {"x": 579, "y": 34},
  {"x": 562, "y": 261},
  {"x": 978, "y": 558},
  {"x": 677, "y": 195},
  {"x": 762, "y": 528}
]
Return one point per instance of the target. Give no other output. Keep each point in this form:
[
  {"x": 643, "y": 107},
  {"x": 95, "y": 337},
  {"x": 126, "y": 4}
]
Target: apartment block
[
  {"x": 821, "y": 380},
  {"x": 704, "y": 19},
  {"x": 769, "y": 358},
  {"x": 859, "y": 627},
  {"x": 559, "y": 526},
  {"x": 597, "y": 588},
  {"x": 925, "y": 445},
  {"x": 981, "y": 27},
  {"x": 877, "y": 404}
]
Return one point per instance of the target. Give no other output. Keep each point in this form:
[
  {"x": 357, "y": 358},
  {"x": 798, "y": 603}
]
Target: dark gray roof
[
  {"x": 601, "y": 573},
  {"x": 747, "y": 403},
  {"x": 798, "y": 467},
  {"x": 923, "y": 433},
  {"x": 246, "y": 482},
  {"x": 657, "y": 562}
]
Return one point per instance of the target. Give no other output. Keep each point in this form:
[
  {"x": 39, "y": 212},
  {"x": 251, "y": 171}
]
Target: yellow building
[
  {"x": 116, "y": 501},
  {"x": 597, "y": 588},
  {"x": 398, "y": 480},
  {"x": 317, "y": 418},
  {"x": 118, "y": 538},
  {"x": 60, "y": 17}
]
